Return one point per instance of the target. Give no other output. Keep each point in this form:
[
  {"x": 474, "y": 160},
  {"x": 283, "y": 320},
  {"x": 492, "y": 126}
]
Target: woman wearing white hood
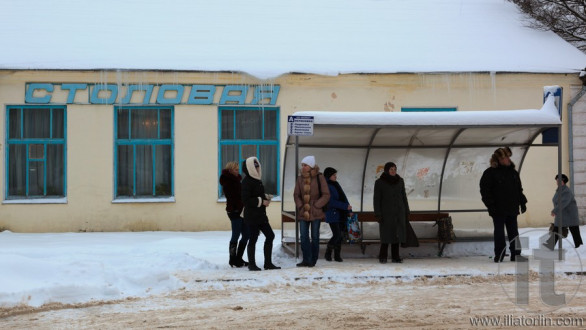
[{"x": 255, "y": 215}]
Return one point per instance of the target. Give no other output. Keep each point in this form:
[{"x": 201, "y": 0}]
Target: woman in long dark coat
[
  {"x": 255, "y": 214},
  {"x": 391, "y": 210}
]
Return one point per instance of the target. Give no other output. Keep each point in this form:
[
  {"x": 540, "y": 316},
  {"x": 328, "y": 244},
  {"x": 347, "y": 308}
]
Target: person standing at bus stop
[
  {"x": 502, "y": 193},
  {"x": 391, "y": 210},
  {"x": 311, "y": 196}
]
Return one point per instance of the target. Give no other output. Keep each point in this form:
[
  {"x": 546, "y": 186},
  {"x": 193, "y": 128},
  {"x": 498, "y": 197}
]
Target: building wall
[{"x": 196, "y": 207}]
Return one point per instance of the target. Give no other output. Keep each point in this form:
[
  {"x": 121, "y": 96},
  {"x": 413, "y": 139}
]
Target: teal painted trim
[
  {"x": 143, "y": 142},
  {"x": 257, "y": 142},
  {"x": 428, "y": 109},
  {"x": 27, "y": 142}
]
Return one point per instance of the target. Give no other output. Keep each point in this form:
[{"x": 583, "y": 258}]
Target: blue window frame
[
  {"x": 143, "y": 153},
  {"x": 250, "y": 131},
  {"x": 35, "y": 151}
]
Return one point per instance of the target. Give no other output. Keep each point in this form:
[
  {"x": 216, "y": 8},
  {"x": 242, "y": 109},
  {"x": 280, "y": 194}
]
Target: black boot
[
  {"x": 328, "y": 255},
  {"x": 395, "y": 253},
  {"x": 337, "y": 256},
  {"x": 268, "y": 251},
  {"x": 239, "y": 254},
  {"x": 383, "y": 253},
  {"x": 251, "y": 259},
  {"x": 232, "y": 250}
]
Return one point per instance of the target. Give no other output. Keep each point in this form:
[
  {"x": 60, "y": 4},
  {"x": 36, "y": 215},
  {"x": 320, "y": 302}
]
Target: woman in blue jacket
[{"x": 338, "y": 209}]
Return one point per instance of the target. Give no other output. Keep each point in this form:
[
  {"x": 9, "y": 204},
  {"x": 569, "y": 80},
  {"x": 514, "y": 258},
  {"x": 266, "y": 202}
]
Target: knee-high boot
[
  {"x": 239, "y": 253},
  {"x": 337, "y": 250},
  {"x": 232, "y": 251},
  {"x": 250, "y": 250},
  {"x": 268, "y": 252}
]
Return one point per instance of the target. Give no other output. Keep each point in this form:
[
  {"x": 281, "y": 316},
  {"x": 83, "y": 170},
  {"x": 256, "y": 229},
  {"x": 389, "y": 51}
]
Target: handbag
[
  {"x": 445, "y": 230},
  {"x": 554, "y": 229}
]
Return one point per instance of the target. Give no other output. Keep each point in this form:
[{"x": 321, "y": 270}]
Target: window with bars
[
  {"x": 251, "y": 131},
  {"x": 143, "y": 155},
  {"x": 35, "y": 152}
]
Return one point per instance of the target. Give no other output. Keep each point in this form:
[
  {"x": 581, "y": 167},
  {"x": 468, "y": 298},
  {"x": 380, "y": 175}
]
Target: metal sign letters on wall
[{"x": 169, "y": 94}]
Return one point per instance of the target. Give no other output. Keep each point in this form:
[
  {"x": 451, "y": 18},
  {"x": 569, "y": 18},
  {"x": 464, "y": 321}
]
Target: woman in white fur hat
[
  {"x": 311, "y": 196},
  {"x": 255, "y": 215}
]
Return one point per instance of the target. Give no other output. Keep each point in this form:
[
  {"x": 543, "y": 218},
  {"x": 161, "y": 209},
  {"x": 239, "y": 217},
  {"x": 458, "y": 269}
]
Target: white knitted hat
[{"x": 309, "y": 160}]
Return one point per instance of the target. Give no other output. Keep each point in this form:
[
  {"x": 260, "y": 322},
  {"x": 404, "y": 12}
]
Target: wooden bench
[{"x": 365, "y": 217}]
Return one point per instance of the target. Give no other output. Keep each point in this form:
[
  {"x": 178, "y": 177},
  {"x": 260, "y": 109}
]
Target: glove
[{"x": 523, "y": 208}]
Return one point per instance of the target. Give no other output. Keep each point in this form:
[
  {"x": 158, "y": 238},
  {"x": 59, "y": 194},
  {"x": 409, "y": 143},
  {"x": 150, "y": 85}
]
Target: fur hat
[
  {"x": 253, "y": 168},
  {"x": 329, "y": 171},
  {"x": 309, "y": 160},
  {"x": 498, "y": 154}
]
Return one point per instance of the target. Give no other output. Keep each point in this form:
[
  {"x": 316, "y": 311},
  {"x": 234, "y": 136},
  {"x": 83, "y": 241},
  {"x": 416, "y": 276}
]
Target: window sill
[
  {"x": 144, "y": 200},
  {"x": 62, "y": 200}
]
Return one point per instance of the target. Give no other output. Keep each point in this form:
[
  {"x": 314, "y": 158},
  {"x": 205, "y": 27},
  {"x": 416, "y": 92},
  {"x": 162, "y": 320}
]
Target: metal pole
[
  {"x": 559, "y": 180},
  {"x": 294, "y": 182}
]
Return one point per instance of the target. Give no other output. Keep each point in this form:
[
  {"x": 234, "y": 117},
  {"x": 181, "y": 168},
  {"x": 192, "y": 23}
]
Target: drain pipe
[{"x": 570, "y": 130}]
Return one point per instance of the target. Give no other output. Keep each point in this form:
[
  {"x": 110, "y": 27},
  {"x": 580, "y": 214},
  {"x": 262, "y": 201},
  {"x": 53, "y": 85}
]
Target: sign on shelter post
[{"x": 300, "y": 125}]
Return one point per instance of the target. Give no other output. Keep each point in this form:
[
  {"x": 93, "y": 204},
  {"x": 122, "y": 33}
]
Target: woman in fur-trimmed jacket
[
  {"x": 255, "y": 214},
  {"x": 311, "y": 195},
  {"x": 232, "y": 187}
]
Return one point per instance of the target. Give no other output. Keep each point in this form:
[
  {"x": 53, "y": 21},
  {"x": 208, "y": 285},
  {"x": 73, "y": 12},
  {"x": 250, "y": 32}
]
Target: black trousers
[
  {"x": 575, "y": 230},
  {"x": 500, "y": 223},
  {"x": 255, "y": 230},
  {"x": 384, "y": 251}
]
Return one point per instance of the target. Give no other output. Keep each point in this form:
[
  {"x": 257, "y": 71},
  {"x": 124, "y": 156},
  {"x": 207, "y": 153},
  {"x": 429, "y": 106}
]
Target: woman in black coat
[
  {"x": 391, "y": 210},
  {"x": 230, "y": 181},
  {"x": 502, "y": 193},
  {"x": 255, "y": 215}
]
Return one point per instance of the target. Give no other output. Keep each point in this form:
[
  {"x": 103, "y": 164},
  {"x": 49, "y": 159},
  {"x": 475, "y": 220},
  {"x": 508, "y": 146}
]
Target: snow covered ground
[{"x": 72, "y": 268}]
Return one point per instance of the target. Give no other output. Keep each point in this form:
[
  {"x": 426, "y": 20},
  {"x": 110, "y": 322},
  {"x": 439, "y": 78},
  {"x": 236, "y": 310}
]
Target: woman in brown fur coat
[{"x": 311, "y": 196}]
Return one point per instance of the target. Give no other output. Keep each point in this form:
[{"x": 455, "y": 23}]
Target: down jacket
[
  {"x": 501, "y": 190},
  {"x": 306, "y": 195}
]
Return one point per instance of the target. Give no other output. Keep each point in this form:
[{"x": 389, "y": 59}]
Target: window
[
  {"x": 251, "y": 131},
  {"x": 143, "y": 154},
  {"x": 35, "y": 152}
]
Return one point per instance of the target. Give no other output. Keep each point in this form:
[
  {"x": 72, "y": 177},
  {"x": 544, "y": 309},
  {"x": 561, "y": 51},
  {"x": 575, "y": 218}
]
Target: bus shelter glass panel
[
  {"x": 434, "y": 137},
  {"x": 422, "y": 171},
  {"x": 347, "y": 161},
  {"x": 336, "y": 136},
  {"x": 461, "y": 181},
  {"x": 375, "y": 166},
  {"x": 394, "y": 136},
  {"x": 498, "y": 136}
]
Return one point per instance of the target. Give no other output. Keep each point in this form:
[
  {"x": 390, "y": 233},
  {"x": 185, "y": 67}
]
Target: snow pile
[{"x": 84, "y": 267}]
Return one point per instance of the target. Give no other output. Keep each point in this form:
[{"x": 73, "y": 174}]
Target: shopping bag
[{"x": 354, "y": 235}]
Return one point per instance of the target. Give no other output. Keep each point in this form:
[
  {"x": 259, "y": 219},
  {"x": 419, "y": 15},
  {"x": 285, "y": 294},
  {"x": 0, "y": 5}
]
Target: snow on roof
[
  {"x": 548, "y": 115},
  {"x": 269, "y": 38}
]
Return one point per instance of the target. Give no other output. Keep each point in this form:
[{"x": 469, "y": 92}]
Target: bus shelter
[{"x": 440, "y": 155}]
